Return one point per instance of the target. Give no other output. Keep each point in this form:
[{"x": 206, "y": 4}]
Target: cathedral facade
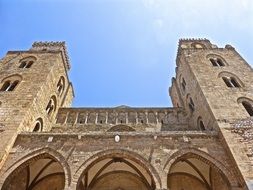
[{"x": 203, "y": 142}]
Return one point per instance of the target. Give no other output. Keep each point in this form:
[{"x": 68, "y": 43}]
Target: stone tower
[
  {"x": 32, "y": 91},
  {"x": 204, "y": 142},
  {"x": 214, "y": 85}
]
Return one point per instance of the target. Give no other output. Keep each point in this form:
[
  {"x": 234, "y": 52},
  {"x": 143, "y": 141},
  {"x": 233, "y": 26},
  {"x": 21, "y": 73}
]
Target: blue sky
[{"x": 123, "y": 52}]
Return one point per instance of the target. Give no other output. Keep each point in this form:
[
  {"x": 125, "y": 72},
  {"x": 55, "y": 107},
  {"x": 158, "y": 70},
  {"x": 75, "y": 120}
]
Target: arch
[
  {"x": 216, "y": 60},
  {"x": 30, "y": 57},
  {"x": 9, "y": 83},
  {"x": 247, "y": 104},
  {"x": 32, "y": 157},
  {"x": 12, "y": 78},
  {"x": 204, "y": 157},
  {"x": 27, "y": 62},
  {"x": 51, "y": 106},
  {"x": 230, "y": 79},
  {"x": 121, "y": 154},
  {"x": 121, "y": 128}
]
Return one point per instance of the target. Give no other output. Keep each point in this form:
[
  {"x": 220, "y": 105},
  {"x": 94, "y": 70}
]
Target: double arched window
[
  {"x": 10, "y": 83},
  {"x": 190, "y": 103},
  {"x": 217, "y": 62},
  {"x": 27, "y": 62},
  {"x": 60, "y": 86},
  {"x": 51, "y": 106},
  {"x": 231, "y": 80}
]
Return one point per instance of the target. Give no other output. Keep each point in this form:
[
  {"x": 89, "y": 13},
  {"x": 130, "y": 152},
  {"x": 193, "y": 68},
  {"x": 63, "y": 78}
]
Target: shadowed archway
[
  {"x": 193, "y": 172},
  {"x": 41, "y": 172},
  {"x": 116, "y": 171}
]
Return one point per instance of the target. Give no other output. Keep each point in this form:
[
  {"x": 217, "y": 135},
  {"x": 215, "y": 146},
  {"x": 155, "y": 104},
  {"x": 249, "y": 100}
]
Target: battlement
[{"x": 53, "y": 46}]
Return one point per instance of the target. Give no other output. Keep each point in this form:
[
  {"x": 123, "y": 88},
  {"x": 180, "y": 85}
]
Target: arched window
[
  {"x": 10, "y": 83},
  {"x": 38, "y": 125},
  {"x": 9, "y": 86},
  {"x": 234, "y": 82},
  {"x": 191, "y": 105},
  {"x": 213, "y": 62},
  {"x": 60, "y": 86},
  {"x": 248, "y": 107},
  {"x": 220, "y": 62},
  {"x": 51, "y": 106},
  {"x": 231, "y": 82},
  {"x": 6, "y": 86},
  {"x": 216, "y": 61},
  {"x": 200, "y": 124},
  {"x": 27, "y": 62}
]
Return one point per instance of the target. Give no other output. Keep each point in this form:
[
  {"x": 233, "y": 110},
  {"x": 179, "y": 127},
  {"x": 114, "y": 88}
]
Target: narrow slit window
[
  {"x": 220, "y": 62},
  {"x": 213, "y": 62},
  {"x": 227, "y": 82},
  {"x": 29, "y": 64},
  {"x": 234, "y": 82},
  {"x": 60, "y": 86},
  {"x": 22, "y": 65},
  {"x": 13, "y": 85},
  {"x": 183, "y": 84},
  {"x": 37, "y": 127},
  {"x": 201, "y": 125},
  {"x": 191, "y": 105},
  {"x": 6, "y": 86}
]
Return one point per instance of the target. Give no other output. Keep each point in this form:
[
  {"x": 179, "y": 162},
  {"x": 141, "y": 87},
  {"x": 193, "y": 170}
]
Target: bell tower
[
  {"x": 33, "y": 85},
  {"x": 215, "y": 86}
]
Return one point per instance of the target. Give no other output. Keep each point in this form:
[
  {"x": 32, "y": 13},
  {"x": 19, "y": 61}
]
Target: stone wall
[{"x": 76, "y": 151}]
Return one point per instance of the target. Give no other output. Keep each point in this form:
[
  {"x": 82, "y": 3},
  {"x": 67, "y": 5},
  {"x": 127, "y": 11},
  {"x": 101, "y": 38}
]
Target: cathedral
[{"x": 203, "y": 142}]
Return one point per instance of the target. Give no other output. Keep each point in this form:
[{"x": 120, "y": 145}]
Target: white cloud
[{"x": 190, "y": 15}]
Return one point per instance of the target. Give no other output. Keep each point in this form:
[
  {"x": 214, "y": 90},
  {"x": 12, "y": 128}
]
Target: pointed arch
[
  {"x": 121, "y": 154},
  {"x": 185, "y": 153},
  {"x": 23, "y": 162}
]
